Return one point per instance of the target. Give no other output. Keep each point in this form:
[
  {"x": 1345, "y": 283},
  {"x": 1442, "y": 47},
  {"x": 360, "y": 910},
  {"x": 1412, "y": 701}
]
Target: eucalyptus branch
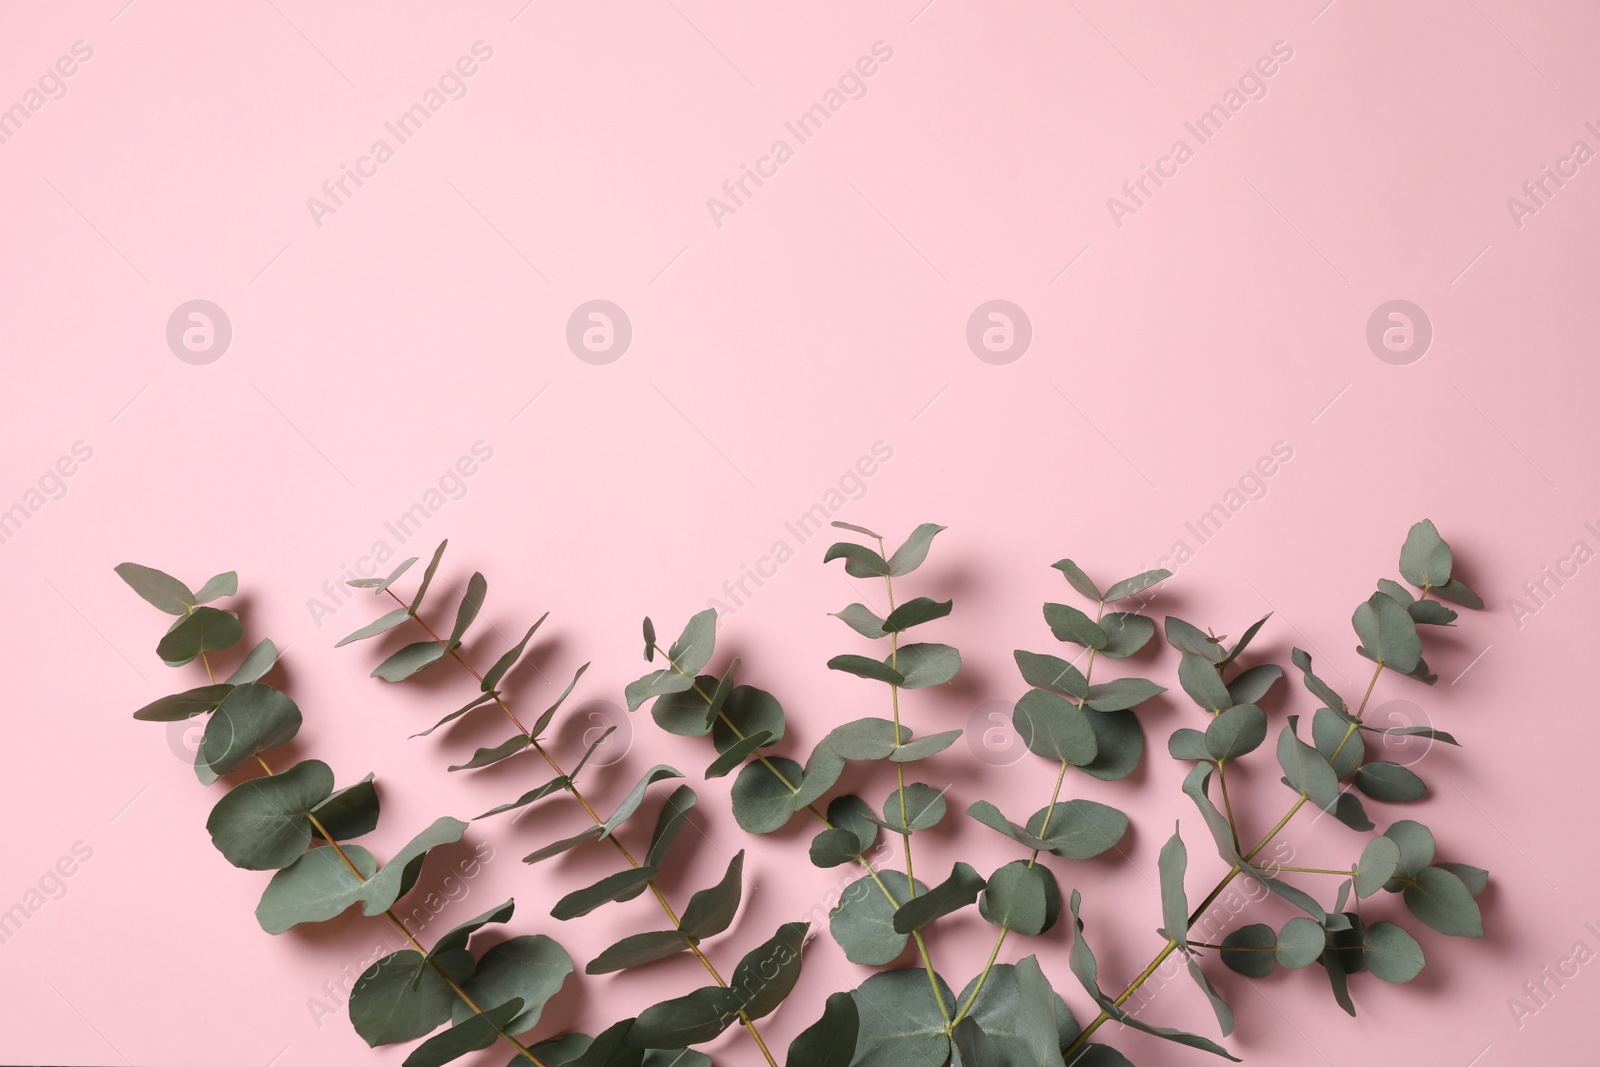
[{"x": 276, "y": 822}]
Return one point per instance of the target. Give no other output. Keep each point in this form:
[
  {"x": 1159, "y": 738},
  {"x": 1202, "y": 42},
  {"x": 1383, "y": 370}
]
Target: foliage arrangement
[{"x": 1070, "y": 715}]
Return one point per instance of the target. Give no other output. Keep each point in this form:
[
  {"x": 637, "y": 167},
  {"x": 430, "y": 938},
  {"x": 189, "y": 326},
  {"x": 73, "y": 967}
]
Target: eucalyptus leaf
[
  {"x": 158, "y": 588},
  {"x": 863, "y": 620},
  {"x": 915, "y": 612},
  {"x": 1338, "y": 741},
  {"x": 862, "y": 530},
  {"x": 949, "y": 896},
  {"x": 251, "y": 719},
  {"x": 747, "y": 710},
  {"x": 1425, "y": 558},
  {"x": 478, "y": 1031},
  {"x": 1186, "y": 637},
  {"x": 1244, "y": 641},
  {"x": 1070, "y": 624},
  {"x": 831, "y": 1040},
  {"x": 692, "y": 650},
  {"x": 202, "y": 630},
  {"x": 1252, "y": 950},
  {"x": 184, "y": 705},
  {"x": 549, "y": 713},
  {"x": 692, "y": 1019},
  {"x": 635, "y": 797},
  {"x": 1119, "y": 741},
  {"x": 1305, "y": 769},
  {"x": 395, "y": 878},
  {"x": 734, "y": 755},
  {"x": 1457, "y": 593},
  {"x": 378, "y": 585},
  {"x": 859, "y": 560},
  {"x": 1219, "y": 1007},
  {"x": 1388, "y": 634},
  {"x": 1171, "y": 865},
  {"x": 611, "y": 887},
  {"x": 1443, "y": 902},
  {"x": 834, "y": 846},
  {"x": 1253, "y": 684},
  {"x": 866, "y": 739},
  {"x": 405, "y": 995},
  {"x": 768, "y": 973},
  {"x": 1078, "y": 579},
  {"x": 901, "y": 1024},
  {"x": 923, "y": 747},
  {"x": 1078, "y": 829},
  {"x": 509, "y": 658},
  {"x": 1476, "y": 879},
  {"x": 1019, "y": 1014},
  {"x": 863, "y": 920},
  {"x": 762, "y": 802},
  {"x": 264, "y": 824},
  {"x": 351, "y": 812},
  {"x": 314, "y": 888},
  {"x": 486, "y": 757},
  {"x": 1126, "y": 633},
  {"x": 926, "y": 664},
  {"x": 555, "y": 785},
  {"x": 471, "y": 604},
  {"x": 1236, "y": 732},
  {"x": 1021, "y": 896},
  {"x": 909, "y": 556},
  {"x": 1137, "y": 584},
  {"x": 1187, "y": 744},
  {"x": 851, "y": 813},
  {"x": 1300, "y": 942},
  {"x": 530, "y": 969},
  {"x": 457, "y": 936},
  {"x": 1052, "y": 673},
  {"x": 1416, "y": 850},
  {"x": 711, "y": 911},
  {"x": 1316, "y": 686},
  {"x": 256, "y": 663},
  {"x": 1054, "y": 727},
  {"x": 636, "y": 950},
  {"x": 476, "y": 702},
  {"x": 1392, "y": 954},
  {"x": 1120, "y": 694},
  {"x": 915, "y": 807},
  {"x": 866, "y": 667},
  {"x": 427, "y": 576},
  {"x": 1382, "y": 780},
  {"x": 663, "y": 683},
  {"x": 1200, "y": 680},
  {"x": 409, "y": 660},
  {"x": 1377, "y": 865},
  {"x": 382, "y": 624}
]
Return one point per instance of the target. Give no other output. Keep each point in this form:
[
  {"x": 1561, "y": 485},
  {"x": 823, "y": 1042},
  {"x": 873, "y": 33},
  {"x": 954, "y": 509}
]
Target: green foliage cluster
[{"x": 1071, "y": 715}]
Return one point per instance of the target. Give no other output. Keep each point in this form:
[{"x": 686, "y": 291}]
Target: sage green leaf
[
  {"x": 866, "y": 667},
  {"x": 915, "y": 612},
  {"x": 1126, "y": 633},
  {"x": 252, "y": 718},
  {"x": 378, "y": 585},
  {"x": 1070, "y": 624},
  {"x": 1425, "y": 558},
  {"x": 1120, "y": 694},
  {"x": 1413, "y": 731},
  {"x": 1244, "y": 641},
  {"x": 863, "y": 620},
  {"x": 1457, "y": 593},
  {"x": 719, "y": 695},
  {"x": 1251, "y": 685},
  {"x": 768, "y": 973},
  {"x": 485, "y": 757},
  {"x": 831, "y": 1040},
  {"x": 611, "y": 887},
  {"x": 850, "y": 812},
  {"x": 1399, "y": 592},
  {"x": 1052, "y": 673},
  {"x": 1388, "y": 635},
  {"x": 692, "y": 650},
  {"x": 262, "y": 824},
  {"x": 314, "y": 888},
  {"x": 1219, "y": 1007},
  {"x": 635, "y": 797},
  {"x": 1137, "y": 584},
  {"x": 1305, "y": 770},
  {"x": 1316, "y": 686},
  {"x": 457, "y": 936},
  {"x": 990, "y": 816},
  {"x": 1382, "y": 780},
  {"x": 202, "y": 630},
  {"x": 1200, "y": 680},
  {"x": 1079, "y": 829},
  {"x": 863, "y": 920},
  {"x": 917, "y": 807},
  {"x": 184, "y": 705},
  {"x": 661, "y": 684},
  {"x": 351, "y": 812},
  {"x": 834, "y": 846},
  {"x": 862, "y": 530},
  {"x": 866, "y": 739},
  {"x": 509, "y": 658},
  {"x": 735, "y": 755},
  {"x": 1346, "y": 955},
  {"x": 530, "y": 969},
  {"x": 203, "y": 772},
  {"x": 949, "y": 896},
  {"x": 1444, "y": 902},
  {"x": 1476, "y": 879},
  {"x": 926, "y": 664},
  {"x": 747, "y": 710},
  {"x": 1236, "y": 732},
  {"x": 823, "y": 769},
  {"x": 670, "y": 821},
  {"x": 382, "y": 624},
  {"x": 909, "y": 556},
  {"x": 1018, "y": 1014},
  {"x": 159, "y": 588},
  {"x": 1416, "y": 850},
  {"x": 404, "y": 996},
  {"x": 1187, "y": 744},
  {"x": 1173, "y": 862},
  {"x": 900, "y": 1021},
  {"x": 1279, "y": 888},
  {"x": 1120, "y": 741},
  {"x": 409, "y": 660},
  {"x": 256, "y": 663},
  {"x": 395, "y": 878},
  {"x": 670, "y": 1057},
  {"x": 923, "y": 747},
  {"x": 1377, "y": 865},
  {"x": 859, "y": 560},
  {"x": 1081, "y": 958},
  {"x": 1055, "y": 728},
  {"x": 1021, "y": 896},
  {"x": 549, "y": 713},
  {"x": 555, "y": 785},
  {"x": 636, "y": 950},
  {"x": 1339, "y": 741},
  {"x": 1251, "y": 950},
  {"x": 427, "y": 576},
  {"x": 471, "y": 604},
  {"x": 469, "y": 1035},
  {"x": 649, "y": 640},
  {"x": 1430, "y": 613},
  {"x": 1352, "y": 813},
  {"x": 1186, "y": 637},
  {"x": 476, "y": 702},
  {"x": 1194, "y": 787},
  {"x": 1392, "y": 954},
  {"x": 1300, "y": 942},
  {"x": 711, "y": 910},
  {"x": 1078, "y": 579},
  {"x": 762, "y": 801},
  {"x": 687, "y": 1020},
  {"x": 610, "y": 1049}
]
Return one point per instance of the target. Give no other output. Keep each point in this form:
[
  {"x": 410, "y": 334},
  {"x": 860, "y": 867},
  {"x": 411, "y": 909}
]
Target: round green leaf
[
  {"x": 681, "y": 711},
  {"x": 750, "y": 710},
  {"x": 1444, "y": 902},
  {"x": 1251, "y": 950},
  {"x": 253, "y": 718},
  {"x": 1378, "y": 862},
  {"x": 900, "y": 1021},
  {"x": 1079, "y": 829},
  {"x": 1393, "y": 954},
  {"x": 1023, "y": 897},
  {"x": 263, "y": 824},
  {"x": 530, "y": 968},
  {"x": 202, "y": 630},
  {"x": 157, "y": 587},
  {"x": 1237, "y": 731},
  {"x": 1055, "y": 728},
  {"x": 762, "y": 802},
  {"x": 924, "y": 806},
  {"x": 1300, "y": 942},
  {"x": 926, "y": 664},
  {"x": 1120, "y": 741},
  {"x": 1416, "y": 851},
  {"x": 1382, "y": 780},
  {"x": 863, "y": 921}
]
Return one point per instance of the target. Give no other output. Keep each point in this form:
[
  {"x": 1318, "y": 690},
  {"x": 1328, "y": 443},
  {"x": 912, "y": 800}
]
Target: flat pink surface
[{"x": 776, "y": 339}]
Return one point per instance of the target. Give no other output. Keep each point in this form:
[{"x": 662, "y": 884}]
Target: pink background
[{"x": 769, "y": 353}]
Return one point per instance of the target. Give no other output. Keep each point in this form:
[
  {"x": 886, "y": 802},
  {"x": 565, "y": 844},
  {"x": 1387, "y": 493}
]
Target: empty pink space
[{"x": 626, "y": 299}]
